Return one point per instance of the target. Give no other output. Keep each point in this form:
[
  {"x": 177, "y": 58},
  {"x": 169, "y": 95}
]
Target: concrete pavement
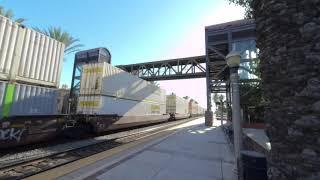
[{"x": 193, "y": 152}]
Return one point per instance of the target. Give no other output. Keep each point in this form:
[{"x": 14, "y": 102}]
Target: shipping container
[
  {"x": 105, "y": 89},
  {"x": 177, "y": 107},
  {"x": 104, "y": 79},
  {"x": 193, "y": 107},
  {"x": 120, "y": 106},
  {"x": 107, "y": 113},
  {"x": 26, "y": 100},
  {"x": 28, "y": 56},
  {"x": 113, "y": 98}
]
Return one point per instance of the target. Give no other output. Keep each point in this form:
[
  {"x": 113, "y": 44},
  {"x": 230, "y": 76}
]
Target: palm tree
[
  {"x": 9, "y": 14},
  {"x": 71, "y": 43}
]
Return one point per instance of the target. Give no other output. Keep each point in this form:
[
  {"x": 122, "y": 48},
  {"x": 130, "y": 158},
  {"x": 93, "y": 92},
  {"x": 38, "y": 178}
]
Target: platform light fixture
[{"x": 233, "y": 59}]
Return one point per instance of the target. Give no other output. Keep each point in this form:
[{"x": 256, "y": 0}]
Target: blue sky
[{"x": 133, "y": 30}]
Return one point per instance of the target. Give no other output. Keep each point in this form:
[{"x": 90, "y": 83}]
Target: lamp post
[{"x": 233, "y": 61}]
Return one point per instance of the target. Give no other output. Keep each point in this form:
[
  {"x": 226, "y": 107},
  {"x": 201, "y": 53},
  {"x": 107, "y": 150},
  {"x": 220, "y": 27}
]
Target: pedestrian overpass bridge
[{"x": 220, "y": 39}]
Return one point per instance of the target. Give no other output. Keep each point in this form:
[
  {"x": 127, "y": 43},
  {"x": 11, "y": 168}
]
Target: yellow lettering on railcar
[
  {"x": 155, "y": 107},
  {"x": 93, "y": 70},
  {"x": 89, "y": 103}
]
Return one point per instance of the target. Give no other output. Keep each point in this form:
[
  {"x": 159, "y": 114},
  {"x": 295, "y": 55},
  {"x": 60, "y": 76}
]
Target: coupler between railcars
[
  {"x": 79, "y": 126},
  {"x": 95, "y": 123},
  {"x": 172, "y": 117}
]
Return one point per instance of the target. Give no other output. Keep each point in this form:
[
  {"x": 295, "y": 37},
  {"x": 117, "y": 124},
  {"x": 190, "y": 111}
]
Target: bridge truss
[
  {"x": 220, "y": 40},
  {"x": 182, "y": 68}
]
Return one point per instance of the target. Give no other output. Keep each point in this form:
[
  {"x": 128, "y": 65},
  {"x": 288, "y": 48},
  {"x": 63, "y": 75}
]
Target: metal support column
[
  {"x": 227, "y": 101},
  {"x": 236, "y": 118},
  {"x": 221, "y": 104},
  {"x": 208, "y": 113},
  {"x": 230, "y": 100}
]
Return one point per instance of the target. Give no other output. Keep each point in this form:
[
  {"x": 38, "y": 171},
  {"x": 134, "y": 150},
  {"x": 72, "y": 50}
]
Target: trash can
[{"x": 254, "y": 165}]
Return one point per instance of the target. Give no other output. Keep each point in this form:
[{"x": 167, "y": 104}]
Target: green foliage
[
  {"x": 250, "y": 94},
  {"x": 221, "y": 98},
  {"x": 9, "y": 14},
  {"x": 20, "y": 20},
  {"x": 251, "y": 100},
  {"x": 251, "y": 97},
  {"x": 247, "y": 4},
  {"x": 71, "y": 43},
  {"x": 215, "y": 97}
]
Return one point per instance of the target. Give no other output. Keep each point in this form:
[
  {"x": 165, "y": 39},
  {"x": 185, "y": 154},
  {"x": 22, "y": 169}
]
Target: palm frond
[
  {"x": 72, "y": 51},
  {"x": 1, "y": 10},
  {"x": 38, "y": 29},
  {"x": 71, "y": 43},
  {"x": 9, "y": 14},
  {"x": 20, "y": 20},
  {"x": 74, "y": 47}
]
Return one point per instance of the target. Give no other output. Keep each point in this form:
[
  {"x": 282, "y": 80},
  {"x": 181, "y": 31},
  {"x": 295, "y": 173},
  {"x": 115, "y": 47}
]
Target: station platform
[{"x": 190, "y": 151}]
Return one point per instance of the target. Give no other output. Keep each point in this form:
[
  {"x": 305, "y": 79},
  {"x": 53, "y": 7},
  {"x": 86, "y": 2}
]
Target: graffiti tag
[{"x": 11, "y": 134}]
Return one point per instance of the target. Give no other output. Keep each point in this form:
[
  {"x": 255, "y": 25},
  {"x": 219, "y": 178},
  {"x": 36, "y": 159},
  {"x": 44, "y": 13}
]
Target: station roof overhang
[{"x": 219, "y": 42}]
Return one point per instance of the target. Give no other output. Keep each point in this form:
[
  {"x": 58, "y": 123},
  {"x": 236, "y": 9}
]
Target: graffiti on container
[{"x": 11, "y": 134}]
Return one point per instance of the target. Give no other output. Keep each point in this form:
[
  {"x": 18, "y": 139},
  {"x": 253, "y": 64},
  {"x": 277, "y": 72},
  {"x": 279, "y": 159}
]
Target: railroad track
[{"x": 24, "y": 164}]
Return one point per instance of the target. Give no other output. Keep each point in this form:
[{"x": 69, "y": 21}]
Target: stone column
[{"x": 288, "y": 36}]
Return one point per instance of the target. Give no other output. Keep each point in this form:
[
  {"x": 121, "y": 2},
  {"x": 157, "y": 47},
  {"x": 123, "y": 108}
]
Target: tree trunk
[{"x": 288, "y": 36}]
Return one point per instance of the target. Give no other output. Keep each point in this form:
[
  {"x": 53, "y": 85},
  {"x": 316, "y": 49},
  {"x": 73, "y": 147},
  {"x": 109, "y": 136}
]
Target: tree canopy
[{"x": 247, "y": 4}]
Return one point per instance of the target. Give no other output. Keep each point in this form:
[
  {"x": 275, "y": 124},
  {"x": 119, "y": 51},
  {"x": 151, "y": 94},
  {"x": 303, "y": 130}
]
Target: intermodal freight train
[
  {"x": 109, "y": 98},
  {"x": 180, "y": 108}
]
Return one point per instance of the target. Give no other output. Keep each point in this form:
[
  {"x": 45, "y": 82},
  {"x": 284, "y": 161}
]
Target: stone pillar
[
  {"x": 208, "y": 118},
  {"x": 221, "y": 113},
  {"x": 288, "y": 36}
]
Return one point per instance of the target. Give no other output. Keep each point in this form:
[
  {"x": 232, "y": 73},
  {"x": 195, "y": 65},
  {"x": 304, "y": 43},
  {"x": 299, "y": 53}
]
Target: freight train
[
  {"x": 181, "y": 108},
  {"x": 108, "y": 98}
]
